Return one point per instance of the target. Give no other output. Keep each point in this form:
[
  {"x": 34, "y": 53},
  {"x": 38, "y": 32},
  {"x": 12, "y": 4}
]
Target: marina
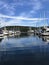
[
  {"x": 24, "y": 32},
  {"x": 17, "y": 30},
  {"x": 23, "y": 48},
  {"x": 23, "y": 44}
]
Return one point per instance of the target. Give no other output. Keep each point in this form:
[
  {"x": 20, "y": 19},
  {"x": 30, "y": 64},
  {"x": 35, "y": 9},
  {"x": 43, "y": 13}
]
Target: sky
[{"x": 24, "y": 12}]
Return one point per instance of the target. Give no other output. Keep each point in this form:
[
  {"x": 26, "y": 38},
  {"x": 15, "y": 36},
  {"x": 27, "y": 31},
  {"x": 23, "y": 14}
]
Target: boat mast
[
  {"x": 44, "y": 22},
  {"x": 44, "y": 19},
  {"x": 40, "y": 21}
]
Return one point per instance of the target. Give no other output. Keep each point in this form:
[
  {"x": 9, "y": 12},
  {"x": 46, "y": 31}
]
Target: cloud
[
  {"x": 20, "y": 17},
  {"x": 14, "y": 22},
  {"x": 6, "y": 8},
  {"x": 37, "y": 5},
  {"x": 19, "y": 21},
  {"x": 10, "y": 8}
]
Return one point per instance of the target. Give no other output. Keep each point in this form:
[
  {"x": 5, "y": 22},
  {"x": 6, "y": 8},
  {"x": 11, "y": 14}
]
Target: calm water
[{"x": 24, "y": 50}]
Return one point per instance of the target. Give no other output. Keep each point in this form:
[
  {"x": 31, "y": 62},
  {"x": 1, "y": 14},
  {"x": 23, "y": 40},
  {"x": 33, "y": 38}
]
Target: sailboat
[
  {"x": 30, "y": 31},
  {"x": 5, "y": 32},
  {"x": 45, "y": 28}
]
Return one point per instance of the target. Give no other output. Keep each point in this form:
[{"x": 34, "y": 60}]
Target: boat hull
[{"x": 45, "y": 34}]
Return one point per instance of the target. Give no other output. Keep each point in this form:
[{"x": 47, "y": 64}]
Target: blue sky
[{"x": 23, "y": 12}]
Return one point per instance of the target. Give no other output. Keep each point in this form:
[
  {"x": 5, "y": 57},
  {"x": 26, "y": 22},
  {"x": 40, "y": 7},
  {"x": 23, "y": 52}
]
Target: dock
[{"x": 16, "y": 30}]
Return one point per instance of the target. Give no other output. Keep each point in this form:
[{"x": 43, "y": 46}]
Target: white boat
[
  {"x": 17, "y": 32},
  {"x": 5, "y": 33},
  {"x": 30, "y": 32},
  {"x": 46, "y": 32},
  {"x": 10, "y": 32},
  {"x": 1, "y": 33}
]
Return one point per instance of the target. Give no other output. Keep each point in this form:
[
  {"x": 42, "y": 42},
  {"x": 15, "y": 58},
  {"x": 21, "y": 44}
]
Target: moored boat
[
  {"x": 1, "y": 33},
  {"x": 46, "y": 32}
]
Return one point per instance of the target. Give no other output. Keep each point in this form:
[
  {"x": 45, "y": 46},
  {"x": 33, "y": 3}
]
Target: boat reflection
[
  {"x": 21, "y": 49},
  {"x": 1, "y": 40},
  {"x": 45, "y": 38}
]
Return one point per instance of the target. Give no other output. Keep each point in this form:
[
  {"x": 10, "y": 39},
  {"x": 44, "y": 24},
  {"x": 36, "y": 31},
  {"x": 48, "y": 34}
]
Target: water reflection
[
  {"x": 21, "y": 41},
  {"x": 24, "y": 50},
  {"x": 23, "y": 56},
  {"x": 45, "y": 38},
  {"x": 1, "y": 40}
]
